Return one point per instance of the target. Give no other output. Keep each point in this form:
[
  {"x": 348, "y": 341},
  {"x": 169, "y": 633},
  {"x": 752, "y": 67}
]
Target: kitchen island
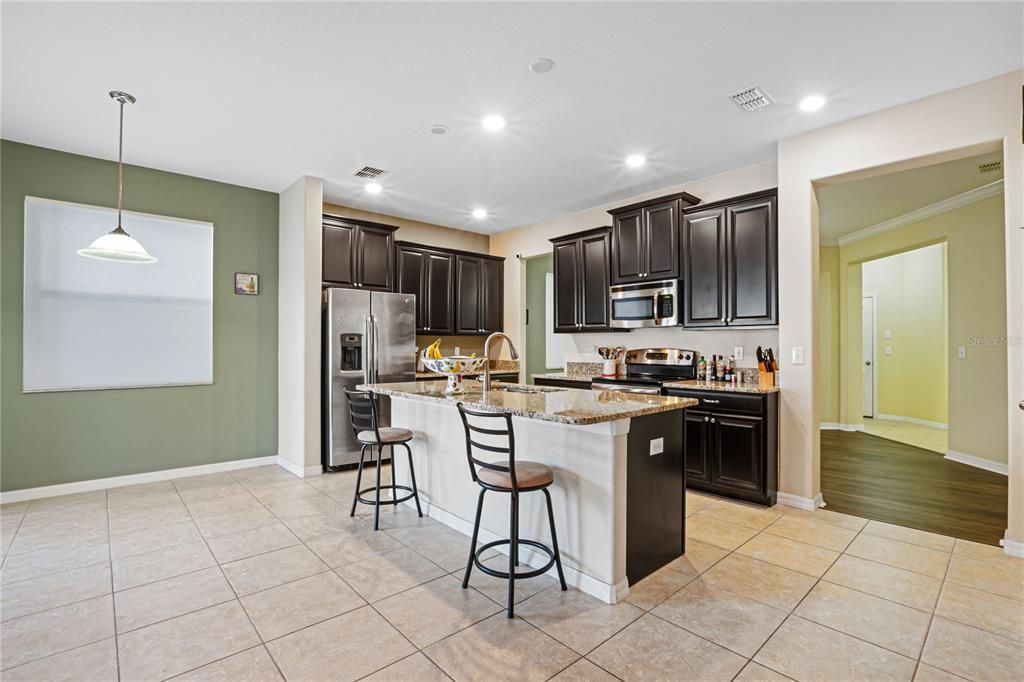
[{"x": 619, "y": 474}]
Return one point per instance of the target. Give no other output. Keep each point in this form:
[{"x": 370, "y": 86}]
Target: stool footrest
[
  {"x": 516, "y": 575},
  {"x": 395, "y": 500}
]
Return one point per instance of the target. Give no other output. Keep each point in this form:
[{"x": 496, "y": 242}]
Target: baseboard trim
[
  {"x": 296, "y": 470},
  {"x": 913, "y": 420},
  {"x": 610, "y": 594},
  {"x": 837, "y": 426},
  {"x": 805, "y": 503},
  {"x": 131, "y": 479},
  {"x": 1013, "y": 548},
  {"x": 979, "y": 462}
]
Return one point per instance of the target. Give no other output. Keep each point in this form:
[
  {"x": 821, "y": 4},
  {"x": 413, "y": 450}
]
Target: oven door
[{"x": 644, "y": 305}]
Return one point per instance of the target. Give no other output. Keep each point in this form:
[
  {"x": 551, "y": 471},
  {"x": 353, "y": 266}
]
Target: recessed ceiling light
[
  {"x": 373, "y": 187},
  {"x": 439, "y": 129},
  {"x": 812, "y": 102},
  {"x": 479, "y": 213},
  {"x": 492, "y": 122},
  {"x": 542, "y": 65},
  {"x": 636, "y": 160}
]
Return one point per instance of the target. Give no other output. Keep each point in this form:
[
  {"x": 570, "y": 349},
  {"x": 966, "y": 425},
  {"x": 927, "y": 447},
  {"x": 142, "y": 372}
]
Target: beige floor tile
[
  {"x": 227, "y": 508},
  {"x": 271, "y": 569},
  {"x": 56, "y": 589},
  {"x": 33, "y": 537},
  {"x": 77, "y": 503},
  {"x": 991, "y": 612},
  {"x": 145, "y": 540},
  {"x": 797, "y": 556},
  {"x": 812, "y": 532},
  {"x": 39, "y": 635},
  {"x": 1003, "y": 578},
  {"x": 24, "y": 565},
  {"x": 575, "y": 619},
  {"x": 386, "y": 574},
  {"x": 760, "y": 581},
  {"x": 175, "y": 646},
  {"x": 234, "y": 521},
  {"x": 657, "y": 587},
  {"x": 346, "y": 647},
  {"x": 497, "y": 588},
  {"x": 707, "y": 529},
  {"x": 165, "y": 599},
  {"x": 888, "y": 582},
  {"x": 95, "y": 662},
  {"x": 888, "y": 624},
  {"x": 699, "y": 557},
  {"x": 247, "y": 543},
  {"x": 757, "y": 518},
  {"x": 584, "y": 671},
  {"x": 911, "y": 535},
  {"x": 927, "y": 673},
  {"x": 695, "y": 502},
  {"x": 446, "y": 547},
  {"x": 755, "y": 672},
  {"x": 131, "y": 519},
  {"x": 354, "y": 544},
  {"x": 430, "y": 612},
  {"x": 140, "y": 569},
  {"x": 653, "y": 649},
  {"x": 972, "y": 653},
  {"x": 252, "y": 665},
  {"x": 731, "y": 620},
  {"x": 289, "y": 607},
  {"x": 804, "y": 650},
  {"x": 219, "y": 479},
  {"x": 976, "y": 550},
  {"x": 909, "y": 557},
  {"x": 500, "y": 648},
  {"x": 416, "y": 667},
  {"x": 308, "y": 528}
]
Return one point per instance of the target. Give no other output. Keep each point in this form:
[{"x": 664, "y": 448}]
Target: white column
[{"x": 298, "y": 327}]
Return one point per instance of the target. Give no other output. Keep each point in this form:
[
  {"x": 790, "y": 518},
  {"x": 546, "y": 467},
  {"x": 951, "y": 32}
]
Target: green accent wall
[
  {"x": 51, "y": 438},
  {"x": 536, "y": 338}
]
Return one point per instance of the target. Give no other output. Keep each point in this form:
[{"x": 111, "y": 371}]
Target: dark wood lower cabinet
[{"x": 732, "y": 444}]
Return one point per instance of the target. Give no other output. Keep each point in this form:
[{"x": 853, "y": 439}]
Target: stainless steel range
[{"x": 647, "y": 369}]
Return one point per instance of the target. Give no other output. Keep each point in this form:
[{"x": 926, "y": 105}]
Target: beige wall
[
  {"x": 420, "y": 233},
  {"x": 968, "y": 120},
  {"x": 532, "y": 240}
]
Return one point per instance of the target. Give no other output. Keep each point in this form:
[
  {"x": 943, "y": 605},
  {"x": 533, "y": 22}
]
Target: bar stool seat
[
  {"x": 529, "y": 475},
  {"x": 388, "y": 435}
]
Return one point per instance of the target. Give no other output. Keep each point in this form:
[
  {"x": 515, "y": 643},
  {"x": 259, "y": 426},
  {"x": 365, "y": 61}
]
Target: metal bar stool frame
[
  {"x": 513, "y": 541},
  {"x": 362, "y": 410}
]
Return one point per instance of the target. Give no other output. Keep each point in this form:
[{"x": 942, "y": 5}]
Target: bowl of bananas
[{"x": 454, "y": 367}]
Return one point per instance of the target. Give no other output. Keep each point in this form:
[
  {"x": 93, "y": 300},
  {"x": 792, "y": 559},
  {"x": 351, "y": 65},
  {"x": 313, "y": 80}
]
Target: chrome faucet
[{"x": 487, "y": 356}]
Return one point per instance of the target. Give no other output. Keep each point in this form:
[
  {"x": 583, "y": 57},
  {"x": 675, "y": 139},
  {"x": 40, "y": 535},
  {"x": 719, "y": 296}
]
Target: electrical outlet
[
  {"x": 888, "y": 350},
  {"x": 737, "y": 352},
  {"x": 962, "y": 352},
  {"x": 798, "y": 355},
  {"x": 657, "y": 446}
]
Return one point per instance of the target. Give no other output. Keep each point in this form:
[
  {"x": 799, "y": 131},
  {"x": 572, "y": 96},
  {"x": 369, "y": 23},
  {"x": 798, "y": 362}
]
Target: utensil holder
[
  {"x": 766, "y": 379},
  {"x": 609, "y": 368}
]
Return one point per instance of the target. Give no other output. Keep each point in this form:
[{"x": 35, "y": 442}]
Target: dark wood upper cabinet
[
  {"x": 358, "y": 254},
  {"x": 645, "y": 239},
  {"x": 480, "y": 293},
  {"x": 582, "y": 276},
  {"x": 429, "y": 275},
  {"x": 492, "y": 297},
  {"x": 729, "y": 255}
]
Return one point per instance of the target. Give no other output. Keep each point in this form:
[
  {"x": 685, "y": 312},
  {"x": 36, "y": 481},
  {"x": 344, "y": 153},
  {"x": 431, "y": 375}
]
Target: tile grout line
[
  {"x": 931, "y": 620},
  {"x": 113, "y": 601}
]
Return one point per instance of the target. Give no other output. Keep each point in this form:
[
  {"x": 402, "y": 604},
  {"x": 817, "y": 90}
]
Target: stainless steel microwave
[{"x": 648, "y": 304}]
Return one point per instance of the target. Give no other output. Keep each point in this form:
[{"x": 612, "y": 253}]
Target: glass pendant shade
[{"x": 117, "y": 246}]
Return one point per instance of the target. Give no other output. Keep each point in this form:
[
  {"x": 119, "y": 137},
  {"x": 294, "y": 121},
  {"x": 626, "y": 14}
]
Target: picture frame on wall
[{"x": 247, "y": 283}]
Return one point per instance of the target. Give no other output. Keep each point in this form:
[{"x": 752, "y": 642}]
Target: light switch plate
[
  {"x": 888, "y": 350},
  {"x": 888, "y": 333},
  {"x": 962, "y": 352},
  {"x": 737, "y": 352},
  {"x": 657, "y": 446},
  {"x": 798, "y": 355}
]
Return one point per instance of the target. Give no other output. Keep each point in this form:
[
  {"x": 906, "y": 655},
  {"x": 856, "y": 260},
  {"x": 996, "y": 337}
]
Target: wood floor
[{"x": 889, "y": 481}]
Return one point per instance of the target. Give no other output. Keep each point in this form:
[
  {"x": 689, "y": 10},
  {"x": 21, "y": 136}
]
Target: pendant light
[{"x": 117, "y": 245}]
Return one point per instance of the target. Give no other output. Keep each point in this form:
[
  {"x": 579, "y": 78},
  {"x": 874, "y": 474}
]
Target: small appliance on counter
[{"x": 647, "y": 369}]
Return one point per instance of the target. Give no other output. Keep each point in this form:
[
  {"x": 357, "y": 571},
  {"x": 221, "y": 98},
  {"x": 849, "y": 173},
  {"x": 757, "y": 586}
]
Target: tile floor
[
  {"x": 926, "y": 437},
  {"x": 258, "y": 575}
]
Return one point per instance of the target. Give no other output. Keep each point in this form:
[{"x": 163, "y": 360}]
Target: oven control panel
[{"x": 661, "y": 356}]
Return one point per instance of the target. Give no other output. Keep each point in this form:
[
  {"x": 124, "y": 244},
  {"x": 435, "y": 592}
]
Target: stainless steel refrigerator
[{"x": 369, "y": 337}]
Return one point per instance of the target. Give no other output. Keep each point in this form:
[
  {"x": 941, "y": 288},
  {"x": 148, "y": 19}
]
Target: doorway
[{"x": 544, "y": 349}]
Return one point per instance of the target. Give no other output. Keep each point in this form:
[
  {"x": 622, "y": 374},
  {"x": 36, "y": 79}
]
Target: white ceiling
[
  {"x": 852, "y": 206},
  {"x": 259, "y": 94}
]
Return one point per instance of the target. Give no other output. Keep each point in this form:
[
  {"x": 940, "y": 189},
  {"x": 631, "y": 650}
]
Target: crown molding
[{"x": 968, "y": 197}]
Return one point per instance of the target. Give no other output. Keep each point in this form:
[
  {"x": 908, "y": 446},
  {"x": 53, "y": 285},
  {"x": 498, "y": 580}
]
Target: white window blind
[{"x": 91, "y": 324}]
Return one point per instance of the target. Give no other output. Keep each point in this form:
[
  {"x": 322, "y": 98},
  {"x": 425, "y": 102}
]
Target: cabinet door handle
[
  {"x": 712, "y": 402},
  {"x": 712, "y": 420},
  {"x": 707, "y": 418}
]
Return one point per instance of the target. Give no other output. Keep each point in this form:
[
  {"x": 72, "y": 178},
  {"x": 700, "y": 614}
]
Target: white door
[{"x": 867, "y": 328}]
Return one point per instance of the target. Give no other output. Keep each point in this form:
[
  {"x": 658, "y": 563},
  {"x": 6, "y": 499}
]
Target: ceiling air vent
[
  {"x": 369, "y": 172},
  {"x": 990, "y": 167},
  {"x": 751, "y": 99}
]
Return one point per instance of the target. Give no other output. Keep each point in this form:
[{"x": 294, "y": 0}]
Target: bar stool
[
  {"x": 362, "y": 411},
  {"x": 512, "y": 477}
]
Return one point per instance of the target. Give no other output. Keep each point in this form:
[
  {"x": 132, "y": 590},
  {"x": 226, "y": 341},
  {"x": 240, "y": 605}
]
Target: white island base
[{"x": 588, "y": 495}]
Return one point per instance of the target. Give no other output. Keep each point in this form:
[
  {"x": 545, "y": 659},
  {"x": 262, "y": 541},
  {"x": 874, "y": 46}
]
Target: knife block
[{"x": 765, "y": 379}]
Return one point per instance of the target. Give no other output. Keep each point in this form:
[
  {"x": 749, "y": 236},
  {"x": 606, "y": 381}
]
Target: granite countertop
[
  {"x": 723, "y": 386},
  {"x": 565, "y": 376},
  {"x": 561, "y": 405}
]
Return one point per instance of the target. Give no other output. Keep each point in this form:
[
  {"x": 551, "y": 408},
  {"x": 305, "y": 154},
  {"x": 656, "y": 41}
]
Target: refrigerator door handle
[
  {"x": 368, "y": 348},
  {"x": 376, "y": 348}
]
